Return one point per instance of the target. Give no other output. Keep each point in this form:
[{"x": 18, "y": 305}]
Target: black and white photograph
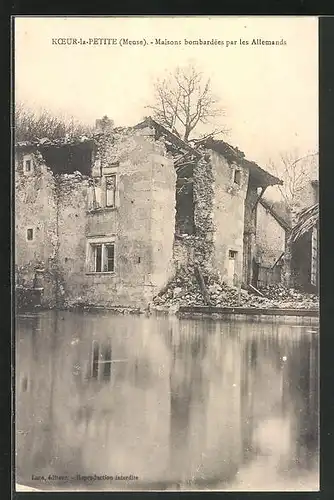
[{"x": 166, "y": 246}]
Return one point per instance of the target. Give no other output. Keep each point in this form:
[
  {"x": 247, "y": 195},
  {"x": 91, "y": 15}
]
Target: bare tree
[
  {"x": 183, "y": 100},
  {"x": 30, "y": 124},
  {"x": 296, "y": 171}
]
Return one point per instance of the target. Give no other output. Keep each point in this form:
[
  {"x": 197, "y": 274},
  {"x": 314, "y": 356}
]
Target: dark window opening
[
  {"x": 232, "y": 254},
  {"x": 69, "y": 158},
  {"x": 27, "y": 165},
  {"x": 301, "y": 264},
  {"x": 184, "y": 218},
  {"x": 30, "y": 234},
  {"x": 111, "y": 191},
  {"x": 237, "y": 176}
]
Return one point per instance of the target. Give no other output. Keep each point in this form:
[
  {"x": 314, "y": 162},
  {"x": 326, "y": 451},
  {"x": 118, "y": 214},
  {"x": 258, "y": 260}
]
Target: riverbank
[{"x": 301, "y": 317}]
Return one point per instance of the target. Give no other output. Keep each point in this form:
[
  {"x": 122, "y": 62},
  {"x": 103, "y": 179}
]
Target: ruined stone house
[{"x": 108, "y": 220}]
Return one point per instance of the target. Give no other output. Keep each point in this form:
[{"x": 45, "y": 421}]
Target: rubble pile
[
  {"x": 289, "y": 297},
  {"x": 76, "y": 176},
  {"x": 184, "y": 290}
]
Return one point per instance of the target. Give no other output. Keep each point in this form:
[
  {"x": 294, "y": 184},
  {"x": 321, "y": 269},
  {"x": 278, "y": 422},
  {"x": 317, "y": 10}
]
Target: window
[
  {"x": 232, "y": 254},
  {"x": 102, "y": 257},
  {"x": 111, "y": 190},
  {"x": 30, "y": 234},
  {"x": 110, "y": 257},
  {"x": 237, "y": 176},
  {"x": 27, "y": 165}
]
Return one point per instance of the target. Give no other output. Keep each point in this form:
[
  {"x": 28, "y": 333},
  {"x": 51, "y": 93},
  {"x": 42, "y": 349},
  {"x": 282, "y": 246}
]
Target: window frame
[
  {"x": 237, "y": 176},
  {"x": 91, "y": 256},
  {"x": 232, "y": 254},
  {"x": 26, "y": 159}
]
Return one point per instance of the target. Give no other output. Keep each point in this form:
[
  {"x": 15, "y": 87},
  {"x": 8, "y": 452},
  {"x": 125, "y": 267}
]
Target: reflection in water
[{"x": 178, "y": 403}]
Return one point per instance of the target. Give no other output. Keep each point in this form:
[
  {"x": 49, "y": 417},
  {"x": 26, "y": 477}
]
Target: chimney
[{"x": 104, "y": 125}]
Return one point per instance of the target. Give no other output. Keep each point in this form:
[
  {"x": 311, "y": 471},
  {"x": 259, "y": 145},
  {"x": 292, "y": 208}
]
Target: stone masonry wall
[
  {"x": 72, "y": 221},
  {"x": 162, "y": 219},
  {"x": 203, "y": 214},
  {"x": 228, "y": 217},
  {"x": 35, "y": 208}
]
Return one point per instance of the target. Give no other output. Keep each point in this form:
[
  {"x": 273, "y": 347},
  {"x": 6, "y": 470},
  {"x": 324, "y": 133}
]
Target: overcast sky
[{"x": 270, "y": 92}]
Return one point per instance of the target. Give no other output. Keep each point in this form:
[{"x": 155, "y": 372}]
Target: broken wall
[
  {"x": 219, "y": 200},
  {"x": 141, "y": 224},
  {"x": 184, "y": 219},
  {"x": 197, "y": 248}
]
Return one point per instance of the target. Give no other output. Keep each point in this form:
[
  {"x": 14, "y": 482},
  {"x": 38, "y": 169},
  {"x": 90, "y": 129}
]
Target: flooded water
[{"x": 159, "y": 403}]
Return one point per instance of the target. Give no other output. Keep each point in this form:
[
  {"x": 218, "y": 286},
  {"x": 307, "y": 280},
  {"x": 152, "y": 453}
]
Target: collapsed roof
[
  {"x": 307, "y": 220},
  {"x": 259, "y": 176},
  {"x": 65, "y": 155},
  {"x": 183, "y": 152}
]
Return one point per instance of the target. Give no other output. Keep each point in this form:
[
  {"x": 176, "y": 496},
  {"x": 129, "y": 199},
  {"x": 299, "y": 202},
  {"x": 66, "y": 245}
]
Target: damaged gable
[
  {"x": 258, "y": 176},
  {"x": 197, "y": 151}
]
